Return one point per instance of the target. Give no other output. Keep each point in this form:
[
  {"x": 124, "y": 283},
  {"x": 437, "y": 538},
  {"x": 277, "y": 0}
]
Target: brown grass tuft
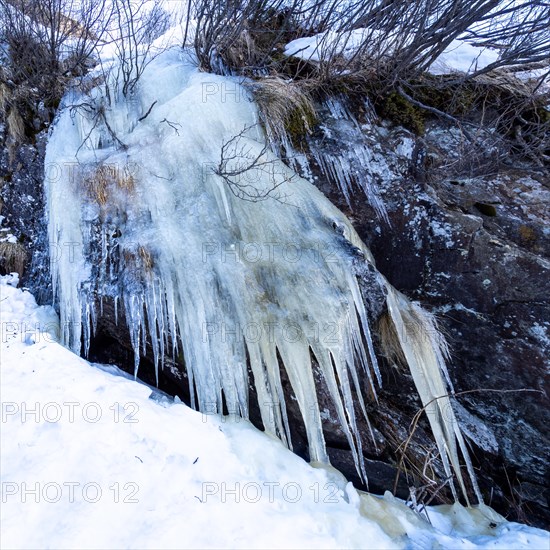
[
  {"x": 13, "y": 257},
  {"x": 287, "y": 108},
  {"x": 389, "y": 340},
  {"x": 139, "y": 262},
  {"x": 105, "y": 178},
  {"x": 16, "y": 126},
  {"x": 4, "y": 98},
  {"x": 146, "y": 258}
]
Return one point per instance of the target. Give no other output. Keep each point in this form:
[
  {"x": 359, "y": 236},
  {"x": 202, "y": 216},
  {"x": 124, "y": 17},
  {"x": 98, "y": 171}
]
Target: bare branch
[{"x": 246, "y": 172}]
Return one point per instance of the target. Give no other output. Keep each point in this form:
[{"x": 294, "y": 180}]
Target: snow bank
[
  {"x": 459, "y": 56},
  {"x": 92, "y": 459}
]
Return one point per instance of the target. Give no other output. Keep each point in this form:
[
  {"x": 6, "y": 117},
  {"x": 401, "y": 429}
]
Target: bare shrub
[
  {"x": 51, "y": 40},
  {"x": 47, "y": 44},
  {"x": 244, "y": 37},
  {"x": 251, "y": 176},
  {"x": 135, "y": 27},
  {"x": 379, "y": 48},
  {"x": 496, "y": 117},
  {"x": 394, "y": 40}
]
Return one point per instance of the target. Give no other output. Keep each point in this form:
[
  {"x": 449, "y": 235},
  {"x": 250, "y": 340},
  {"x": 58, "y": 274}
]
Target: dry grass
[
  {"x": 139, "y": 262},
  {"x": 4, "y": 98},
  {"x": 16, "y": 127},
  {"x": 146, "y": 258},
  {"x": 507, "y": 79},
  {"x": 96, "y": 188},
  {"x": 13, "y": 257},
  {"x": 105, "y": 179},
  {"x": 287, "y": 108},
  {"x": 389, "y": 341}
]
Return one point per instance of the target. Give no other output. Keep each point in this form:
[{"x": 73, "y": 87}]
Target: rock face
[
  {"x": 471, "y": 243},
  {"x": 474, "y": 249},
  {"x": 22, "y": 207}
]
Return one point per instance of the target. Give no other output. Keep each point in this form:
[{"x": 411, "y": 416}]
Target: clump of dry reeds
[
  {"x": 13, "y": 257},
  {"x": 104, "y": 180}
]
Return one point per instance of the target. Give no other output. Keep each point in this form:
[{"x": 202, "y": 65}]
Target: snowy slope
[{"x": 106, "y": 462}]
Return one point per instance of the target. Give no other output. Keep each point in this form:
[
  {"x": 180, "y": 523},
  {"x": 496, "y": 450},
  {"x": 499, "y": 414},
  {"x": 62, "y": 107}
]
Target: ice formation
[{"x": 142, "y": 207}]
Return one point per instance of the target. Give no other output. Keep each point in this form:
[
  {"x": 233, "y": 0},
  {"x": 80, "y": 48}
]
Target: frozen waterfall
[{"x": 170, "y": 203}]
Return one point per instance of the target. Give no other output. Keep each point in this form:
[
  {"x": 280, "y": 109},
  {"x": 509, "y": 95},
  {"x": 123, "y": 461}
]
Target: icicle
[{"x": 425, "y": 351}]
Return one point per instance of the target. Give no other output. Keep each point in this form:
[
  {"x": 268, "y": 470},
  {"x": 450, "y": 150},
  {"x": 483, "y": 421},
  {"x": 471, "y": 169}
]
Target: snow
[
  {"x": 325, "y": 44},
  {"x": 461, "y": 56},
  {"x": 92, "y": 459}
]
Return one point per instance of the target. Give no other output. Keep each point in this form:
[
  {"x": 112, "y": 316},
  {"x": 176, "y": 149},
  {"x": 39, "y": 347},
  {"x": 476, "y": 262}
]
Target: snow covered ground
[
  {"x": 93, "y": 459},
  {"x": 460, "y": 56}
]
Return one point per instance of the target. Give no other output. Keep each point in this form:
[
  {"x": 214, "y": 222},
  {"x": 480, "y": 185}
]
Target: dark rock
[
  {"x": 22, "y": 200},
  {"x": 486, "y": 209},
  {"x": 488, "y": 278}
]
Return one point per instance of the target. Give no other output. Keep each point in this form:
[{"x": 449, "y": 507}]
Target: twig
[
  {"x": 172, "y": 125},
  {"x": 242, "y": 191},
  {"x": 112, "y": 132},
  {"x": 416, "y": 418},
  {"x": 148, "y": 112}
]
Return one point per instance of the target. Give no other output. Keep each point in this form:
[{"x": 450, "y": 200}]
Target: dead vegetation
[
  {"x": 13, "y": 257},
  {"x": 102, "y": 183},
  {"x": 138, "y": 262},
  {"x": 46, "y": 45},
  {"x": 389, "y": 341},
  {"x": 287, "y": 108},
  {"x": 249, "y": 175},
  {"x": 382, "y": 50}
]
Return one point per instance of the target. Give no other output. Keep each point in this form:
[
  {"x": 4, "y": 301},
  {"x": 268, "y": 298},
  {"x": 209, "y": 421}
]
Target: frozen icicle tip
[{"x": 352, "y": 496}]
